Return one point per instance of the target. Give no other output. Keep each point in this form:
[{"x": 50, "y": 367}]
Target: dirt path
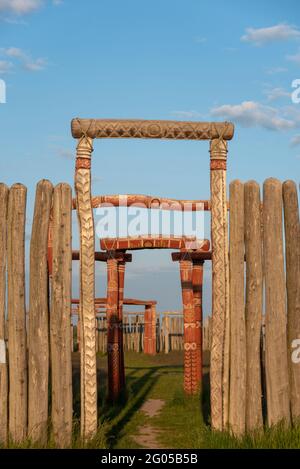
[{"x": 147, "y": 434}]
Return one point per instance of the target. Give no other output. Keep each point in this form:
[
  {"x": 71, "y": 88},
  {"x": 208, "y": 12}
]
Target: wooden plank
[
  {"x": 38, "y": 333},
  {"x": 3, "y": 353},
  {"x": 292, "y": 250},
  {"x": 237, "y": 407},
  {"x": 137, "y": 128},
  {"x": 17, "y": 313},
  {"x": 254, "y": 304},
  {"x": 277, "y": 377},
  {"x": 167, "y": 337},
  {"x": 60, "y": 331}
]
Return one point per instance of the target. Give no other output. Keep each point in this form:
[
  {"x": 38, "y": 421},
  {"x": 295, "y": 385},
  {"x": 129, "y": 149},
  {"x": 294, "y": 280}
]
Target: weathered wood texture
[
  {"x": 38, "y": 333},
  {"x": 88, "y": 375},
  {"x": 121, "y": 280},
  {"x": 219, "y": 373},
  {"x": 149, "y": 202},
  {"x": 60, "y": 318},
  {"x": 113, "y": 336},
  {"x": 197, "y": 294},
  {"x": 277, "y": 377},
  {"x": 154, "y": 242},
  {"x": 191, "y": 384},
  {"x": 134, "y": 128},
  {"x": 254, "y": 304},
  {"x": 3, "y": 352},
  {"x": 292, "y": 251},
  {"x": 17, "y": 313},
  {"x": 237, "y": 410}
]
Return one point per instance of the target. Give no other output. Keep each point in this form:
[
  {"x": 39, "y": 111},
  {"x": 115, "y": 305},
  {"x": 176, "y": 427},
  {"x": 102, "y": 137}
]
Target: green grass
[{"x": 183, "y": 422}]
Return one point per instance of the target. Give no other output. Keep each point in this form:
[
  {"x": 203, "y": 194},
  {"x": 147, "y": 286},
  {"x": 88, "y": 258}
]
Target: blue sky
[{"x": 190, "y": 60}]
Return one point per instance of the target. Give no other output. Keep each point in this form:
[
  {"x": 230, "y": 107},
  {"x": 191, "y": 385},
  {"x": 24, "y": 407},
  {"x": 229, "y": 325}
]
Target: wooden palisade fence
[
  {"x": 25, "y": 361},
  {"x": 35, "y": 349},
  {"x": 272, "y": 283},
  {"x": 169, "y": 333}
]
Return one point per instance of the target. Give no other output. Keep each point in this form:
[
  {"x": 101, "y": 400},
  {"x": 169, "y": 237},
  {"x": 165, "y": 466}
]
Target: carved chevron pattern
[
  {"x": 87, "y": 313},
  {"x": 220, "y": 296}
]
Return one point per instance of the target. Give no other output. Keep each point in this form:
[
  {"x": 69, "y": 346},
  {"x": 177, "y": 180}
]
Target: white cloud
[
  {"x": 5, "y": 66},
  {"x": 66, "y": 154},
  {"x": 35, "y": 65},
  {"x": 275, "y": 70},
  {"x": 32, "y": 65},
  {"x": 294, "y": 58},
  {"x": 200, "y": 40},
  {"x": 253, "y": 114},
  {"x": 186, "y": 114},
  {"x": 14, "y": 52},
  {"x": 295, "y": 140},
  {"x": 279, "y": 32},
  {"x": 274, "y": 94},
  {"x": 20, "y": 7}
]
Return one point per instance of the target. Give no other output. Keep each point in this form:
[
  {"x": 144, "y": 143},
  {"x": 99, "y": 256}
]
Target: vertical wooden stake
[
  {"x": 254, "y": 304},
  {"x": 17, "y": 313},
  {"x": 292, "y": 240},
  {"x": 147, "y": 331},
  {"x": 3, "y": 353},
  {"x": 277, "y": 376},
  {"x": 238, "y": 360},
  {"x": 219, "y": 371},
  {"x": 38, "y": 350},
  {"x": 60, "y": 318},
  {"x": 167, "y": 334}
]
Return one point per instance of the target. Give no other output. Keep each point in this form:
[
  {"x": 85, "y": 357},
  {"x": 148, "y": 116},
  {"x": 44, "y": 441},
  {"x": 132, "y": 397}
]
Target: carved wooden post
[
  {"x": 219, "y": 372},
  {"x": 190, "y": 346},
  {"x": 197, "y": 291},
  {"x": 87, "y": 288},
  {"x": 153, "y": 329},
  {"x": 121, "y": 273},
  {"x": 147, "y": 329},
  {"x": 113, "y": 329}
]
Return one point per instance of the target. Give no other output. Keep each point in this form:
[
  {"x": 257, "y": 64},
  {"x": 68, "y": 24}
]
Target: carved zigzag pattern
[
  {"x": 87, "y": 313},
  {"x": 219, "y": 243}
]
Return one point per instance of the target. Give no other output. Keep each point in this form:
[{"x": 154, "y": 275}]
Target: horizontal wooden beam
[
  {"x": 103, "y": 256},
  {"x": 149, "y": 202},
  {"x": 126, "y": 301},
  {"x": 154, "y": 242},
  {"x": 157, "y": 129},
  {"x": 197, "y": 256}
]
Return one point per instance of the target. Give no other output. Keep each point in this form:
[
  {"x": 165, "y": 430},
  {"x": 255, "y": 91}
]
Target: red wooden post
[
  {"x": 147, "y": 329},
  {"x": 121, "y": 273},
  {"x": 197, "y": 291},
  {"x": 113, "y": 346},
  {"x": 190, "y": 346},
  {"x": 153, "y": 330},
  {"x": 78, "y": 334}
]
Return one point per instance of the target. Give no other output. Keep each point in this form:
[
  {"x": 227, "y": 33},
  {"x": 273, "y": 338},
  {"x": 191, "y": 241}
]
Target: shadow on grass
[{"x": 138, "y": 389}]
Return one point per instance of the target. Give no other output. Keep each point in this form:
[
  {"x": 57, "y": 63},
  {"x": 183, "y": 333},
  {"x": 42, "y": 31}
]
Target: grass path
[
  {"x": 179, "y": 423},
  {"x": 175, "y": 425},
  {"x": 155, "y": 413}
]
